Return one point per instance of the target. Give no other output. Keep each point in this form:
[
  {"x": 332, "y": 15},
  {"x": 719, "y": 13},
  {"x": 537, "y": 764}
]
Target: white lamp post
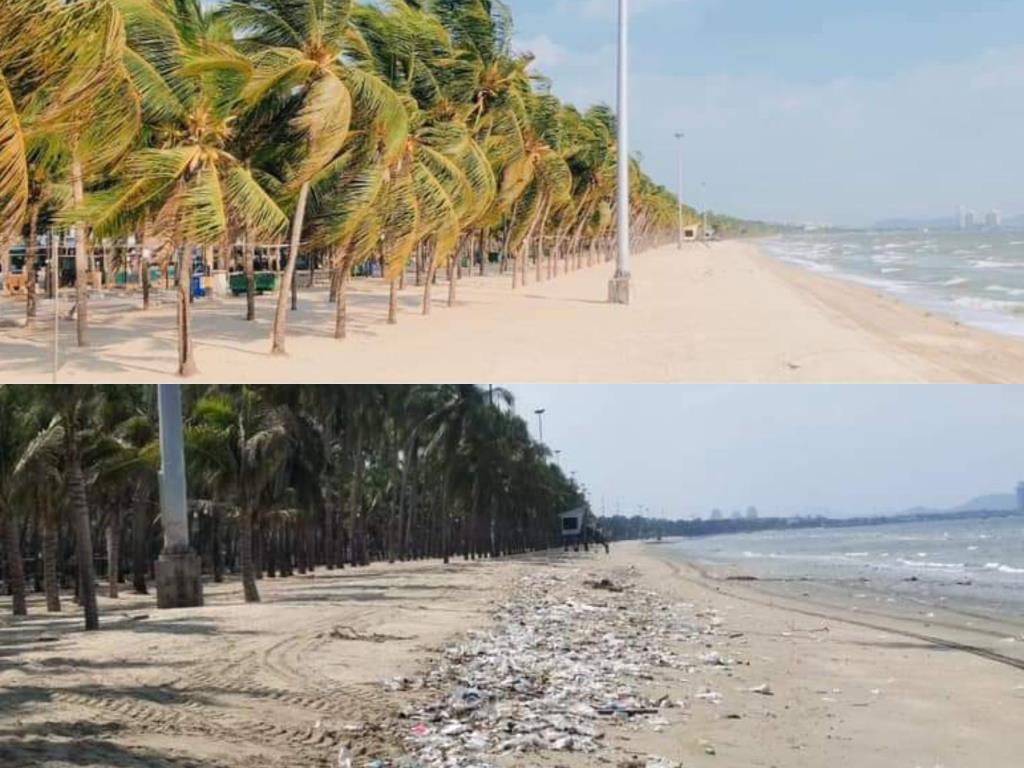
[
  {"x": 618, "y": 288},
  {"x": 679, "y": 142},
  {"x": 178, "y": 571}
]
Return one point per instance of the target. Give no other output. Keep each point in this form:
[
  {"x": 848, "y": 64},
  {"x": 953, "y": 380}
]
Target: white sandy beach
[
  {"x": 291, "y": 680},
  {"x": 705, "y": 314}
]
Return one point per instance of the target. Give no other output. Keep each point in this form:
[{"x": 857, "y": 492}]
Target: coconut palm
[
  {"x": 296, "y": 49},
  {"x": 192, "y": 187}
]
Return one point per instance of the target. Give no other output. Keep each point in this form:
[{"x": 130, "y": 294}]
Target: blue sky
[
  {"x": 808, "y": 110},
  {"x": 681, "y": 450}
]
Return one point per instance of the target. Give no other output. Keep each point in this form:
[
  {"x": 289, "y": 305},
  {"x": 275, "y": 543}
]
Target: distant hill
[{"x": 991, "y": 501}]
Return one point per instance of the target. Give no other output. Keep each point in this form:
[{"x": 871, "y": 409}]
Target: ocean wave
[
  {"x": 1005, "y": 289},
  {"x": 808, "y": 264},
  {"x": 1002, "y": 568},
  {"x": 890, "y": 270},
  {"x": 954, "y": 281},
  {"x": 990, "y": 305},
  {"x": 994, "y": 264},
  {"x": 929, "y": 564}
]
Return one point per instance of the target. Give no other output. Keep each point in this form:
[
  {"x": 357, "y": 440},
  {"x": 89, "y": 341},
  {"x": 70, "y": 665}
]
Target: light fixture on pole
[
  {"x": 540, "y": 423},
  {"x": 679, "y": 152},
  {"x": 618, "y": 286}
]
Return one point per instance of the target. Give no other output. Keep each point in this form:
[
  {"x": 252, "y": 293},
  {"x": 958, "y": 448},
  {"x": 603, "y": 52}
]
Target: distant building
[
  {"x": 969, "y": 220},
  {"x": 993, "y": 220},
  {"x": 1020, "y": 497}
]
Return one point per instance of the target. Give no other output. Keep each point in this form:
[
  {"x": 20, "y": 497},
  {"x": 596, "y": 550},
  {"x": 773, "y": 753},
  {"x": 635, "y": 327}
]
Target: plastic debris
[{"x": 559, "y": 665}]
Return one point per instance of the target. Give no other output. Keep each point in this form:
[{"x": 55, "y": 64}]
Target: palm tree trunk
[
  {"x": 393, "y": 303},
  {"x": 341, "y": 308},
  {"x": 250, "y": 278},
  {"x": 453, "y": 277},
  {"x": 281, "y": 314},
  {"x": 140, "y": 539},
  {"x": 30, "y": 265},
  {"x": 216, "y": 543},
  {"x": 483, "y": 249},
  {"x": 81, "y": 258},
  {"x": 51, "y": 584},
  {"x": 445, "y": 520},
  {"x": 543, "y": 217},
  {"x": 186, "y": 361},
  {"x": 15, "y": 565},
  {"x": 431, "y": 268},
  {"x": 113, "y": 552},
  {"x": 83, "y": 536},
  {"x": 252, "y": 594}
]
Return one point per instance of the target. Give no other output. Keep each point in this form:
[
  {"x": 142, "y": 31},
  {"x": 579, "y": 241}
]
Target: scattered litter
[
  {"x": 350, "y": 633},
  {"x": 764, "y": 689},
  {"x": 606, "y": 584},
  {"x": 558, "y": 665}
]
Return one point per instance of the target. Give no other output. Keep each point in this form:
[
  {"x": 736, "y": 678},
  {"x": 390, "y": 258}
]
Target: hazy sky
[
  {"x": 681, "y": 450},
  {"x": 835, "y": 111}
]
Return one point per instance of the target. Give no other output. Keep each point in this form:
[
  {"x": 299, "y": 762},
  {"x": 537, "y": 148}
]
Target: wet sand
[
  {"x": 291, "y": 680},
  {"x": 704, "y": 314}
]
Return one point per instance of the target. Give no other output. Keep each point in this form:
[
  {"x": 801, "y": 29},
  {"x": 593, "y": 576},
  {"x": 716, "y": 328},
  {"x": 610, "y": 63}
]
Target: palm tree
[
  {"x": 195, "y": 190},
  {"x": 12, "y": 427},
  {"x": 296, "y": 49}
]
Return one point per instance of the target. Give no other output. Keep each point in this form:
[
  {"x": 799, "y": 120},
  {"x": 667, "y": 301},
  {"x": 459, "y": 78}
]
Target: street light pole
[
  {"x": 540, "y": 423},
  {"x": 618, "y": 287},
  {"x": 178, "y": 571},
  {"x": 704, "y": 196},
  {"x": 679, "y": 142}
]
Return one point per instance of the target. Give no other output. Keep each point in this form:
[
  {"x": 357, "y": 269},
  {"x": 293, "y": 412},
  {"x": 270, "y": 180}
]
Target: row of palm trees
[
  {"x": 280, "y": 479},
  {"x": 401, "y": 131}
]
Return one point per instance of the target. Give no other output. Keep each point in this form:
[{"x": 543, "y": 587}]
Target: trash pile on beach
[{"x": 564, "y": 660}]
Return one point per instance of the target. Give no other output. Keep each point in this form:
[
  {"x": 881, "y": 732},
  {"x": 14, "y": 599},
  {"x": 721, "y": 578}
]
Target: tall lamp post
[
  {"x": 618, "y": 287},
  {"x": 540, "y": 423},
  {"x": 178, "y": 571},
  {"x": 679, "y": 159},
  {"x": 704, "y": 199}
]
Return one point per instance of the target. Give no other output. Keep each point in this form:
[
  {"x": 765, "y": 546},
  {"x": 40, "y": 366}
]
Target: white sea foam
[
  {"x": 1005, "y": 289},
  {"x": 989, "y": 305},
  {"x": 955, "y": 281},
  {"x": 890, "y": 270},
  {"x": 1002, "y": 568},
  {"x": 994, "y": 264},
  {"x": 929, "y": 564}
]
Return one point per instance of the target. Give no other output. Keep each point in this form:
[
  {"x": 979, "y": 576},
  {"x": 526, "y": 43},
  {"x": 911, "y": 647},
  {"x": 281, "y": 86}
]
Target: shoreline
[
  {"x": 758, "y": 679},
  {"x": 727, "y": 312}
]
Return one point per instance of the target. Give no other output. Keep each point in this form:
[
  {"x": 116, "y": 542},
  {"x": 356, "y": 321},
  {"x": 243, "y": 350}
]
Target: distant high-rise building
[
  {"x": 993, "y": 219},
  {"x": 1020, "y": 497},
  {"x": 961, "y": 217},
  {"x": 969, "y": 220}
]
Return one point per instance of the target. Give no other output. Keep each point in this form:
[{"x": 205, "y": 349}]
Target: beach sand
[
  {"x": 723, "y": 312},
  {"x": 287, "y": 681}
]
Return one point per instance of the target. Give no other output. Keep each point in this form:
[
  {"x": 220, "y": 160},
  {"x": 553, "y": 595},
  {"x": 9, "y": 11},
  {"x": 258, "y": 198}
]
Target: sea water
[
  {"x": 977, "y": 563},
  {"x": 976, "y": 276}
]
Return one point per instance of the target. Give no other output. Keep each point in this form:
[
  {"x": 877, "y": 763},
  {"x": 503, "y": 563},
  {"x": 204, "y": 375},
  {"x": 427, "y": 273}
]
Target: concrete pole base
[
  {"x": 618, "y": 290},
  {"x": 179, "y": 581}
]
